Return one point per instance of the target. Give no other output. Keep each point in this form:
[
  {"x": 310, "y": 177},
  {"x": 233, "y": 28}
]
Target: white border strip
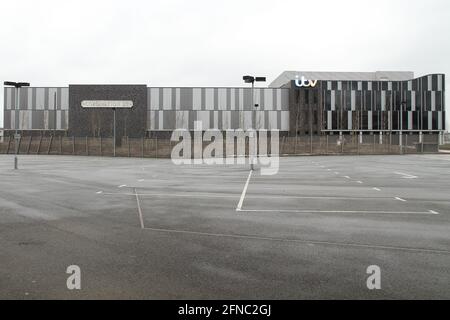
[{"x": 244, "y": 192}]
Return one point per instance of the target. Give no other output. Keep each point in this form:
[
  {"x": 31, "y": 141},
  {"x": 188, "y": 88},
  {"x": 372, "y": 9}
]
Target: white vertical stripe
[
  {"x": 197, "y": 99},
  {"x": 154, "y": 99},
  {"x": 273, "y": 120},
  {"x": 329, "y": 120},
  {"x": 58, "y": 119},
  {"x": 46, "y": 120},
  {"x": 333, "y": 100},
  {"x": 233, "y": 99},
  {"x": 439, "y": 120},
  {"x": 216, "y": 119},
  {"x": 177, "y": 98},
  {"x": 203, "y": 116},
  {"x": 440, "y": 82},
  {"x": 209, "y": 103},
  {"x": 430, "y": 120},
  {"x": 409, "y": 85},
  {"x": 413, "y": 101},
  {"x": 152, "y": 120},
  {"x": 51, "y": 98},
  {"x": 8, "y": 99},
  {"x": 383, "y": 100},
  {"x": 257, "y": 98},
  {"x": 279, "y": 106},
  {"x": 284, "y": 121},
  {"x": 30, "y": 98},
  {"x": 222, "y": 99},
  {"x": 167, "y": 98},
  {"x": 40, "y": 98},
  {"x": 349, "y": 120},
  {"x": 65, "y": 99},
  {"x": 226, "y": 120},
  {"x": 410, "y": 120},
  {"x": 161, "y": 120},
  {"x": 268, "y": 99},
  {"x": 241, "y": 100},
  {"x": 353, "y": 100},
  {"x": 433, "y": 100},
  {"x": 370, "y": 120}
]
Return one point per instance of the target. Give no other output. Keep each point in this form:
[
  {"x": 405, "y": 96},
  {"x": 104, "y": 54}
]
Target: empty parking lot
[{"x": 147, "y": 229}]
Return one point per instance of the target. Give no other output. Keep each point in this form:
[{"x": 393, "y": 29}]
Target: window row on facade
[
  {"x": 384, "y": 100},
  {"x": 384, "y": 121},
  {"x": 37, "y": 99},
  {"x": 224, "y": 99},
  {"x": 36, "y": 119},
  {"x": 435, "y": 82},
  {"x": 221, "y": 120}
]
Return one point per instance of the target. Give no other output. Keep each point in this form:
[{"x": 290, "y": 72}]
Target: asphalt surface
[{"x": 147, "y": 229}]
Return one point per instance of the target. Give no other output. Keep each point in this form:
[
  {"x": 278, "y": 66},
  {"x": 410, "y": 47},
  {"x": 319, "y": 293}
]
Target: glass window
[{"x": 328, "y": 100}]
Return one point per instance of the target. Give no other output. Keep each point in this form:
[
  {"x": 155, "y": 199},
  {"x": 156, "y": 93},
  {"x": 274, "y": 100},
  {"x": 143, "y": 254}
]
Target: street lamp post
[
  {"x": 252, "y": 80},
  {"x": 16, "y": 85}
]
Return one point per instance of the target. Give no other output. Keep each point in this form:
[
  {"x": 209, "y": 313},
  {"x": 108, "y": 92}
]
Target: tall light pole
[
  {"x": 252, "y": 80},
  {"x": 16, "y": 85}
]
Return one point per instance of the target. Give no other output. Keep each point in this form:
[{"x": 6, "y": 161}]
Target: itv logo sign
[{"x": 304, "y": 83}]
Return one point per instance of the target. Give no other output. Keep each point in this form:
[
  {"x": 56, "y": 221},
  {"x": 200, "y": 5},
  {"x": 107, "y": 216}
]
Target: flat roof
[{"x": 288, "y": 76}]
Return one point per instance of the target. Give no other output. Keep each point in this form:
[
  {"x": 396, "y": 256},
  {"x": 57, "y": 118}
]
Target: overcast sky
[{"x": 214, "y": 43}]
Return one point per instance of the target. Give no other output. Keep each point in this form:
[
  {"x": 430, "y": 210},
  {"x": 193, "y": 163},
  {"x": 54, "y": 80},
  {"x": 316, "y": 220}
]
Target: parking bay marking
[{"x": 406, "y": 175}]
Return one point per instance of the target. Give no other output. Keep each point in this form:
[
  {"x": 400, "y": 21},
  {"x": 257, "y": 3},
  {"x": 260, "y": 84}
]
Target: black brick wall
[{"x": 99, "y": 122}]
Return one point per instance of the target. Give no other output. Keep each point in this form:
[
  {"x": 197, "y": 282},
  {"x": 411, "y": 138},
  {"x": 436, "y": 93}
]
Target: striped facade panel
[
  {"x": 217, "y": 108},
  {"x": 38, "y": 109},
  {"x": 413, "y": 105}
]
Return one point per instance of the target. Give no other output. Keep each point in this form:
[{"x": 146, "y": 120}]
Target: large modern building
[{"x": 296, "y": 102}]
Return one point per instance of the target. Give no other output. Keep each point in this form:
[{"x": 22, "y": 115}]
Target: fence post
[
  {"x": 9, "y": 145},
  {"x": 374, "y": 143},
  {"x": 406, "y": 141},
  {"x": 143, "y": 145},
  {"x": 295, "y": 144},
  {"x": 101, "y": 146},
  {"x": 128, "y": 143},
  {"x": 39, "y": 146},
  {"x": 29, "y": 144},
  {"x": 327, "y": 143},
  {"x": 156, "y": 147},
  {"x": 73, "y": 145},
  {"x": 50, "y": 145},
  {"x": 60, "y": 145}
]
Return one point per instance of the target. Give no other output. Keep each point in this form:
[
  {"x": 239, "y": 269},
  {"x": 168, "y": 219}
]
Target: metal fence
[{"x": 162, "y": 148}]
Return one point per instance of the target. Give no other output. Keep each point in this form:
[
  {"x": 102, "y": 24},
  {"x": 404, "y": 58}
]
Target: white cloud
[{"x": 187, "y": 43}]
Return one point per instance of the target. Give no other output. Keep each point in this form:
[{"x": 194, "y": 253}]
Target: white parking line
[
  {"x": 301, "y": 241},
  {"x": 377, "y": 189},
  {"x": 406, "y": 175},
  {"x": 360, "y": 182},
  {"x": 141, "y": 219},
  {"x": 434, "y": 212},
  {"x": 241, "y": 201},
  {"x": 400, "y": 199},
  {"x": 347, "y": 177},
  {"x": 338, "y": 211},
  {"x": 122, "y": 186}
]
